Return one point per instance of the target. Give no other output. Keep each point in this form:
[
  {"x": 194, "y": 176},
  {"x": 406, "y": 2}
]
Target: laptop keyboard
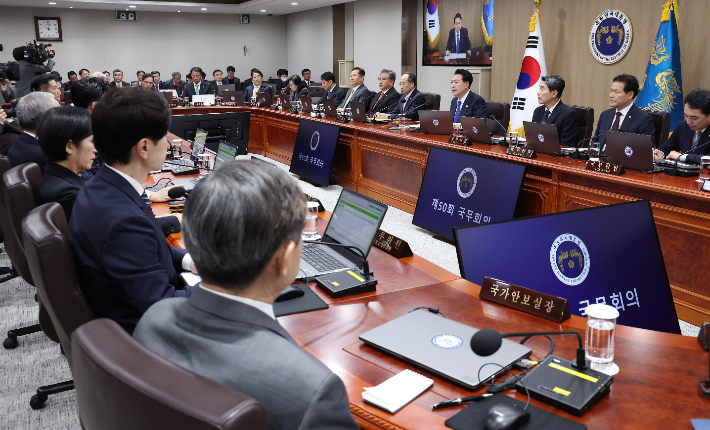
[{"x": 321, "y": 260}]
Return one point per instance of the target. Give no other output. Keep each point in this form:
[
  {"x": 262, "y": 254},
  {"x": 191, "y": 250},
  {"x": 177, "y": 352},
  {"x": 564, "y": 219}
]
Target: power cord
[
  {"x": 430, "y": 309},
  {"x": 508, "y": 383}
]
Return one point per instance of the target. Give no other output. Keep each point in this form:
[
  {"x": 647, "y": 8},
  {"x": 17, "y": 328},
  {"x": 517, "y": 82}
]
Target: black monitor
[
  {"x": 607, "y": 254},
  {"x": 462, "y": 189},
  {"x": 313, "y": 153},
  {"x": 232, "y": 127}
]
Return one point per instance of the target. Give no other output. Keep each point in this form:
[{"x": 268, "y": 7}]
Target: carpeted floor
[{"x": 38, "y": 361}]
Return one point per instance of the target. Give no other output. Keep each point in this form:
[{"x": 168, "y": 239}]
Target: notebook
[{"x": 393, "y": 394}]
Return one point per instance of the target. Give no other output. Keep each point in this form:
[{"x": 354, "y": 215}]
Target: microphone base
[
  {"x": 705, "y": 386},
  {"x": 346, "y": 283},
  {"x": 579, "y": 155}
]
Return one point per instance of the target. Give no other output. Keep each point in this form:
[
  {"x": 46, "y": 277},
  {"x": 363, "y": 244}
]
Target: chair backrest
[
  {"x": 585, "y": 116},
  {"x": 316, "y": 91},
  {"x": 272, "y": 86},
  {"x": 5, "y": 224},
  {"x": 122, "y": 385},
  {"x": 50, "y": 261},
  {"x": 662, "y": 122},
  {"x": 501, "y": 112},
  {"x": 433, "y": 101}
]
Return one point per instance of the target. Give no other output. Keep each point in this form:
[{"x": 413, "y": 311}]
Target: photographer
[
  {"x": 6, "y": 86},
  {"x": 32, "y": 66}
]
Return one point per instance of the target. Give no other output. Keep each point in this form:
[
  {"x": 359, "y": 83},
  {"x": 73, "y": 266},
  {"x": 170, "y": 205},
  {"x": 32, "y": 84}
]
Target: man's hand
[
  {"x": 381, "y": 115},
  {"x": 3, "y": 116},
  {"x": 468, "y": 53},
  {"x": 657, "y": 155},
  {"x": 448, "y": 53},
  {"x": 673, "y": 155},
  {"x": 162, "y": 195},
  {"x": 341, "y": 110}
]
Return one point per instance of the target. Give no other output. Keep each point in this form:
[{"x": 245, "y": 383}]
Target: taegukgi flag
[
  {"x": 433, "y": 30},
  {"x": 533, "y": 68}
]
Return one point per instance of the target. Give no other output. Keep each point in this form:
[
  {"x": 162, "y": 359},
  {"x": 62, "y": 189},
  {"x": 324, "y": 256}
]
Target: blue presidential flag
[
  {"x": 662, "y": 87},
  {"x": 487, "y": 21}
]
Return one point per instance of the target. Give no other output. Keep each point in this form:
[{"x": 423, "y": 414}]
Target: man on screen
[
  {"x": 458, "y": 39},
  {"x": 465, "y": 101},
  {"x": 690, "y": 139},
  {"x": 553, "y": 111}
]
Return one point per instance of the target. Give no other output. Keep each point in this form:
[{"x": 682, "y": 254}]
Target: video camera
[
  {"x": 11, "y": 70},
  {"x": 34, "y": 52}
]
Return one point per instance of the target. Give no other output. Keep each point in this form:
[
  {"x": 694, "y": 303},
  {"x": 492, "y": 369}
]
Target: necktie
[
  {"x": 349, "y": 97},
  {"x": 615, "y": 126},
  {"x": 197, "y": 89},
  {"x": 147, "y": 201},
  {"x": 256, "y": 90},
  {"x": 457, "y": 42},
  {"x": 458, "y": 110},
  {"x": 696, "y": 139},
  {"x": 382, "y": 93},
  {"x": 545, "y": 117}
]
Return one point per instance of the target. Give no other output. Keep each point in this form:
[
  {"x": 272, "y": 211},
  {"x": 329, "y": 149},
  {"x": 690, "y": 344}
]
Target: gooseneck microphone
[
  {"x": 365, "y": 265},
  {"x": 487, "y": 341}
]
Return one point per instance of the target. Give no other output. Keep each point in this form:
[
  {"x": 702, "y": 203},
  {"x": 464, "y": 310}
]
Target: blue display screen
[
  {"x": 606, "y": 254},
  {"x": 461, "y": 189},
  {"x": 313, "y": 152}
]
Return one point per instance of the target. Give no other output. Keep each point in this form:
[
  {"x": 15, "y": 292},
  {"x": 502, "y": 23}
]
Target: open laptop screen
[
  {"x": 355, "y": 220},
  {"x": 462, "y": 189},
  {"x": 225, "y": 152},
  {"x": 607, "y": 254},
  {"x": 313, "y": 152}
]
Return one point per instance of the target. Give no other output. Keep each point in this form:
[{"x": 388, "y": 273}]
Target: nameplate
[
  {"x": 525, "y": 300},
  {"x": 254, "y": 103},
  {"x": 392, "y": 244},
  {"x": 313, "y": 199},
  {"x": 198, "y": 103},
  {"x": 521, "y": 151},
  {"x": 602, "y": 166},
  {"x": 460, "y": 139},
  {"x": 293, "y": 110},
  {"x": 342, "y": 119}
]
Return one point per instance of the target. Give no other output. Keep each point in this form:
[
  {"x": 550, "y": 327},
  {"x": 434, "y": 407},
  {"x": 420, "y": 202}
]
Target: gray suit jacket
[
  {"x": 361, "y": 95},
  {"x": 28, "y": 71},
  {"x": 241, "y": 347}
]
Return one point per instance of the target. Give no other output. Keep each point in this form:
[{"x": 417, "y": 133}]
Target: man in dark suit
[
  {"x": 73, "y": 77},
  {"x": 176, "y": 80},
  {"x": 553, "y": 111},
  {"x": 118, "y": 80},
  {"x": 332, "y": 90},
  {"x": 247, "y": 254},
  {"x": 386, "y": 100},
  {"x": 624, "y": 115},
  {"x": 123, "y": 262},
  {"x": 30, "y": 109},
  {"x": 691, "y": 138},
  {"x": 197, "y": 86},
  {"x": 458, "y": 39},
  {"x": 465, "y": 102},
  {"x": 9, "y": 133},
  {"x": 47, "y": 84},
  {"x": 411, "y": 101},
  {"x": 257, "y": 87},
  {"x": 217, "y": 75},
  {"x": 230, "y": 79},
  {"x": 28, "y": 71},
  {"x": 306, "y": 77},
  {"x": 358, "y": 91}
]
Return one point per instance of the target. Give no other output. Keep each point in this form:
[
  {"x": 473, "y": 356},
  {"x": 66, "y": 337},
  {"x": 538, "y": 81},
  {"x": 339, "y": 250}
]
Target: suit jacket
[
  {"x": 387, "y": 104},
  {"x": 564, "y": 118},
  {"x": 189, "y": 89},
  {"x": 124, "y": 84},
  {"x": 166, "y": 85},
  {"x": 60, "y": 185},
  {"x": 27, "y": 72},
  {"x": 215, "y": 87},
  {"x": 241, "y": 347},
  {"x": 464, "y": 42},
  {"x": 682, "y": 141},
  {"x": 308, "y": 83},
  {"x": 410, "y": 108},
  {"x": 9, "y": 134},
  {"x": 473, "y": 106},
  {"x": 247, "y": 83},
  {"x": 122, "y": 260},
  {"x": 26, "y": 150},
  {"x": 262, "y": 89},
  {"x": 234, "y": 81},
  {"x": 10, "y": 89},
  {"x": 361, "y": 95},
  {"x": 636, "y": 121},
  {"x": 337, "y": 94},
  {"x": 294, "y": 97}
]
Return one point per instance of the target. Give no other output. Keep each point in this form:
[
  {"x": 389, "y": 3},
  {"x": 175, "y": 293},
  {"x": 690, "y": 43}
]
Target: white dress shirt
[
  {"x": 262, "y": 306},
  {"x": 624, "y": 112}
]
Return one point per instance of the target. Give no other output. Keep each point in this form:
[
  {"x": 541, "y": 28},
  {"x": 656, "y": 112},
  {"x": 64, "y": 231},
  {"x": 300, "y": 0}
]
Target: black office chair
[
  {"x": 433, "y": 101},
  {"x": 585, "y": 117},
  {"x": 501, "y": 112},
  {"x": 662, "y": 123}
]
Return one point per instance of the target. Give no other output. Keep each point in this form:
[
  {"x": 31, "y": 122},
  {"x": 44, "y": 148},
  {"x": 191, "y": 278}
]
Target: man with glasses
[
  {"x": 411, "y": 101},
  {"x": 197, "y": 87},
  {"x": 690, "y": 139},
  {"x": 386, "y": 100}
]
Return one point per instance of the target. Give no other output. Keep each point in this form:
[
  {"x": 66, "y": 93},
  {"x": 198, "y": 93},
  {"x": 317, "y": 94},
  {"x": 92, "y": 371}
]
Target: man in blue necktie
[
  {"x": 465, "y": 102},
  {"x": 458, "y": 39}
]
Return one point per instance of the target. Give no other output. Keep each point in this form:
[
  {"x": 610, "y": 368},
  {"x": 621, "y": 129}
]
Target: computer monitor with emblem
[
  {"x": 313, "y": 152},
  {"x": 606, "y": 254},
  {"x": 462, "y": 189}
]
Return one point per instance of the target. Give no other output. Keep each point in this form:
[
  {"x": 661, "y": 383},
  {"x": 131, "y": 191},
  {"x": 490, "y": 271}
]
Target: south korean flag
[{"x": 533, "y": 68}]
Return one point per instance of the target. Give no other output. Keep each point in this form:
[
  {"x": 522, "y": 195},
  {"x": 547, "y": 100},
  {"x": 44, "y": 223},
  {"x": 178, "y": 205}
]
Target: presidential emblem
[
  {"x": 628, "y": 151},
  {"x": 466, "y": 182},
  {"x": 357, "y": 110},
  {"x": 474, "y": 129},
  {"x": 315, "y": 139},
  {"x": 447, "y": 341},
  {"x": 610, "y": 37},
  {"x": 541, "y": 137},
  {"x": 435, "y": 121},
  {"x": 569, "y": 259}
]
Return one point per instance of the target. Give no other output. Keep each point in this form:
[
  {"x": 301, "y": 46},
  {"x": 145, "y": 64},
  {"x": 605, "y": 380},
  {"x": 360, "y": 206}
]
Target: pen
[{"x": 456, "y": 402}]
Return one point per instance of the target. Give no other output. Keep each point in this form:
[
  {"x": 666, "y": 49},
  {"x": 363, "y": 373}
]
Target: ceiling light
[
  {"x": 71, "y": 7},
  {"x": 52, "y": 2},
  {"x": 204, "y": 8},
  {"x": 295, "y": 4},
  {"x": 263, "y": 10},
  {"x": 178, "y": 11},
  {"x": 131, "y": 6}
]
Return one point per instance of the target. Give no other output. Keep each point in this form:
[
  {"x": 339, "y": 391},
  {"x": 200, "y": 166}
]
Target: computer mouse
[
  {"x": 505, "y": 417},
  {"x": 291, "y": 292}
]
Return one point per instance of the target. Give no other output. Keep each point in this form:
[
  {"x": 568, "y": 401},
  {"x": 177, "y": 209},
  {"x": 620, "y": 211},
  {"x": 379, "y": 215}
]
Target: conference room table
[{"x": 656, "y": 387}]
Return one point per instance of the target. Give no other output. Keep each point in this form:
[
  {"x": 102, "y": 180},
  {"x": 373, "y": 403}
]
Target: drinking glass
[
  {"x": 513, "y": 138},
  {"x": 599, "y": 343},
  {"x": 594, "y": 151},
  {"x": 704, "y": 168},
  {"x": 310, "y": 231}
]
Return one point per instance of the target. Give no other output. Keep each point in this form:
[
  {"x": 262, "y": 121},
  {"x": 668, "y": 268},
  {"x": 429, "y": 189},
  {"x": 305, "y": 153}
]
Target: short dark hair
[
  {"x": 82, "y": 71},
  {"x": 216, "y": 72},
  {"x": 86, "y": 91},
  {"x": 57, "y": 76},
  {"x": 465, "y": 75},
  {"x": 360, "y": 71},
  {"x": 298, "y": 82},
  {"x": 411, "y": 77},
  {"x": 177, "y": 74},
  {"x": 155, "y": 72},
  {"x": 391, "y": 75},
  {"x": 238, "y": 217},
  {"x": 106, "y": 71},
  {"x": 146, "y": 76},
  {"x": 70, "y": 74},
  {"x": 41, "y": 82},
  {"x": 198, "y": 70},
  {"x": 58, "y": 127},
  {"x": 630, "y": 83},
  {"x": 328, "y": 76},
  {"x": 282, "y": 72},
  {"x": 698, "y": 99},
  {"x": 554, "y": 83},
  {"x": 125, "y": 116},
  {"x": 117, "y": 70},
  {"x": 458, "y": 15},
  {"x": 256, "y": 71},
  {"x": 139, "y": 72},
  {"x": 231, "y": 69},
  {"x": 305, "y": 70}
]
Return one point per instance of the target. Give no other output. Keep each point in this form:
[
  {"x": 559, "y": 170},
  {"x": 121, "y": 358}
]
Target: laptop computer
[
  {"x": 166, "y": 95},
  {"x": 285, "y": 102},
  {"x": 633, "y": 151},
  {"x": 542, "y": 137},
  {"x": 222, "y": 88},
  {"x": 264, "y": 99},
  {"x": 225, "y": 152},
  {"x": 436, "y": 121},
  {"x": 358, "y": 111},
  {"x": 330, "y": 108},
  {"x": 355, "y": 221},
  {"x": 476, "y": 129},
  {"x": 306, "y": 103},
  {"x": 236, "y": 97},
  {"x": 441, "y": 346},
  {"x": 173, "y": 93}
]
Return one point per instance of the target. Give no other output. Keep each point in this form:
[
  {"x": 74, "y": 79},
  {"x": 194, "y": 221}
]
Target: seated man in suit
[
  {"x": 139, "y": 75},
  {"x": 411, "y": 101},
  {"x": 217, "y": 75},
  {"x": 247, "y": 254},
  {"x": 176, "y": 80},
  {"x": 46, "y": 84},
  {"x": 624, "y": 115},
  {"x": 358, "y": 91},
  {"x": 248, "y": 82},
  {"x": 458, "y": 42},
  {"x": 88, "y": 92},
  {"x": 465, "y": 102},
  {"x": 123, "y": 262},
  {"x": 691, "y": 138},
  {"x": 147, "y": 83},
  {"x": 73, "y": 77},
  {"x": 386, "y": 100},
  {"x": 30, "y": 109},
  {"x": 332, "y": 90},
  {"x": 118, "y": 79},
  {"x": 230, "y": 79},
  {"x": 306, "y": 77},
  {"x": 257, "y": 79},
  {"x": 157, "y": 83},
  {"x": 84, "y": 74},
  {"x": 197, "y": 87},
  {"x": 553, "y": 111}
]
